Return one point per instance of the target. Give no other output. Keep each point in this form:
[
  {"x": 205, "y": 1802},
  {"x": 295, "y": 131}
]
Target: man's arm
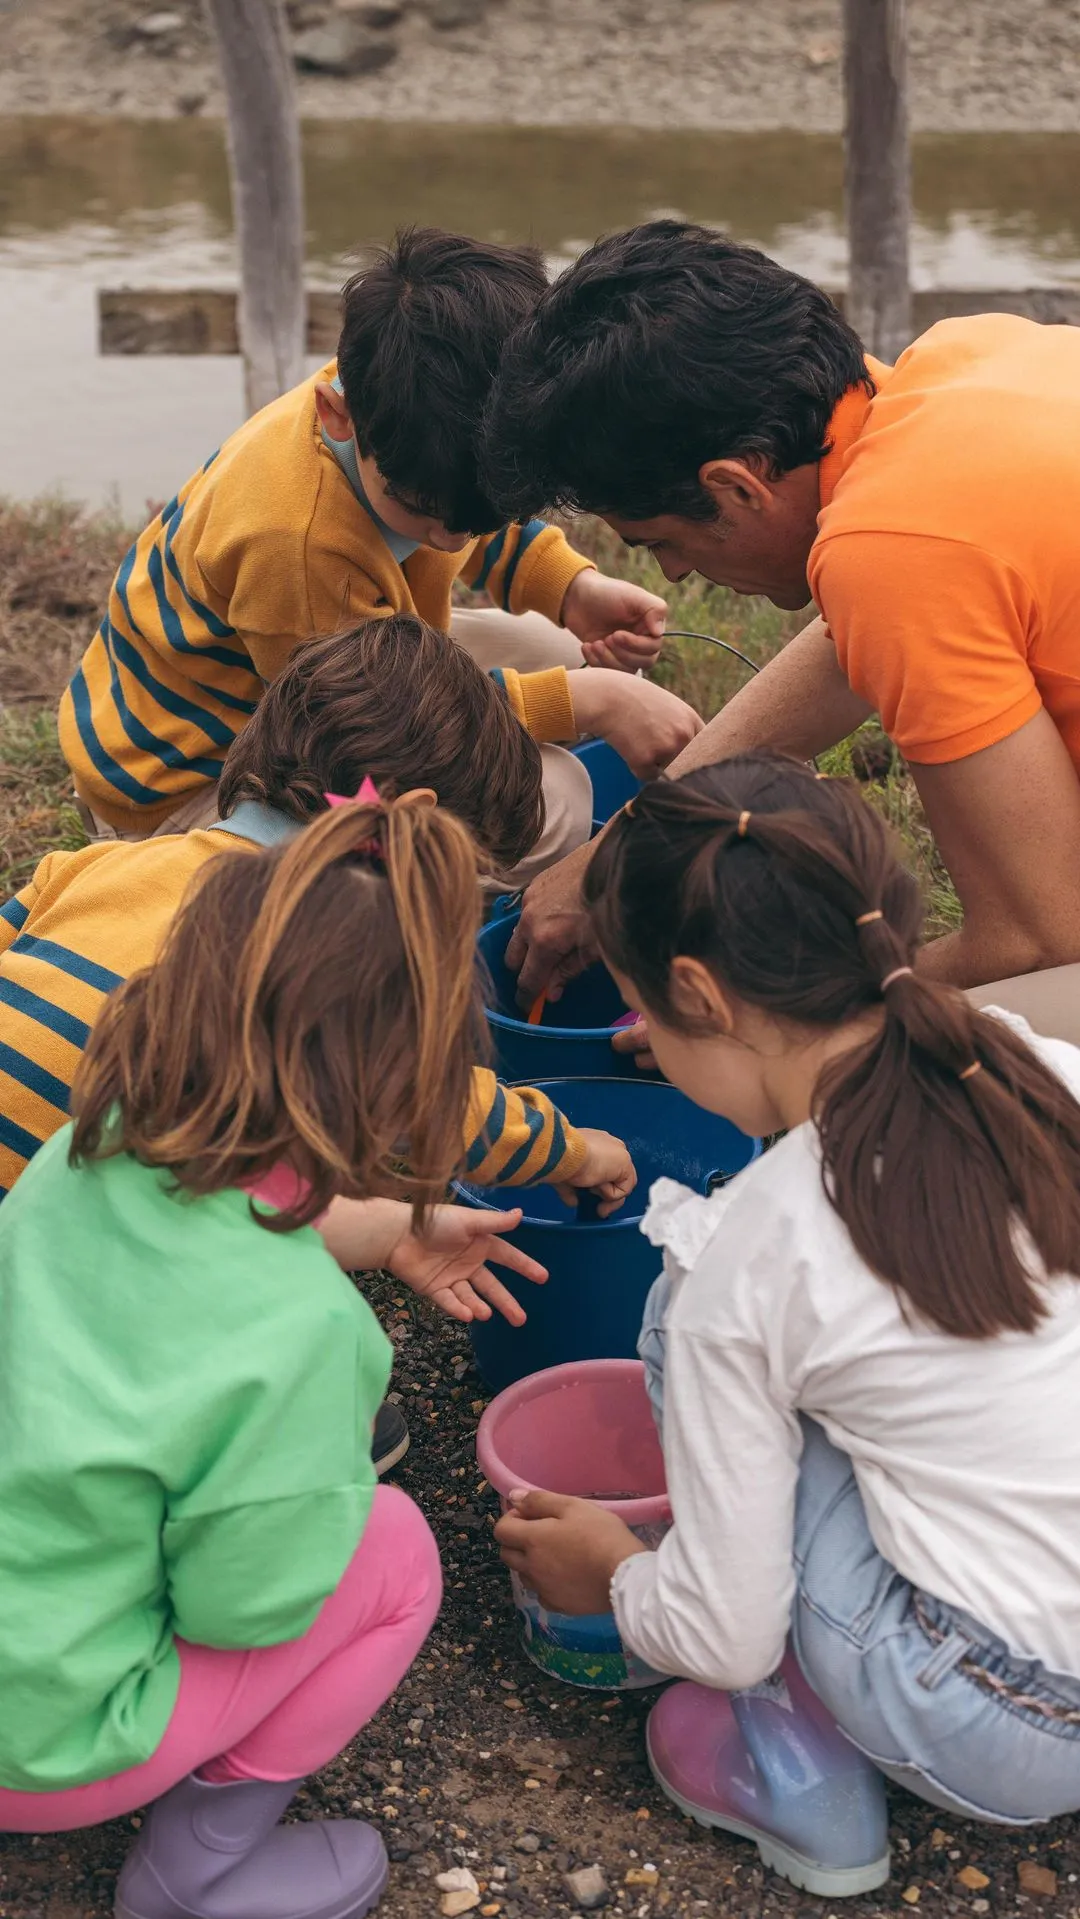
[
  {"x": 800, "y": 703},
  {"x": 1007, "y": 822}
]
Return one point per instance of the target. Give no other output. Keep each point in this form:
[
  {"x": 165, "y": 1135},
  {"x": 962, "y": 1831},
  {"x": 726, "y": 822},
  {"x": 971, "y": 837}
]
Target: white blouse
[{"x": 966, "y": 1452}]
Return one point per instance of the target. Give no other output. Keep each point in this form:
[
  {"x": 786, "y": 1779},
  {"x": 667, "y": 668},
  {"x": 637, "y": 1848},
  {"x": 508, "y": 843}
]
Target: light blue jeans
[{"x": 898, "y": 1690}]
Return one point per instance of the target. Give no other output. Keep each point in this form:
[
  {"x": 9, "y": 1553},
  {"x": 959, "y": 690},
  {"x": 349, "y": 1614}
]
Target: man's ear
[
  {"x": 736, "y": 485},
  {"x": 333, "y": 414}
]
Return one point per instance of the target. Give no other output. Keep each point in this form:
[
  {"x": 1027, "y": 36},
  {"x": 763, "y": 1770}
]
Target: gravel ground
[
  {"x": 480, "y": 1760},
  {"x": 990, "y": 65}
]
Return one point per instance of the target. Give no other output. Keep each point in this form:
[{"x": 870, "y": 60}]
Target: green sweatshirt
[{"x": 185, "y": 1450}]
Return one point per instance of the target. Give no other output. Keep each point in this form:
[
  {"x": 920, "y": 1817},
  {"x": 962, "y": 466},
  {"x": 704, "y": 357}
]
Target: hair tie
[
  {"x": 898, "y": 973},
  {"x": 744, "y": 821},
  {"x": 367, "y": 794},
  {"x": 969, "y": 1072},
  {"x": 864, "y": 919}
]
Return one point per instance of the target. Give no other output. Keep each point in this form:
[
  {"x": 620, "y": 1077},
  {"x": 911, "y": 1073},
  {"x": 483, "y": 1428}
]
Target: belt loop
[{"x": 944, "y": 1658}]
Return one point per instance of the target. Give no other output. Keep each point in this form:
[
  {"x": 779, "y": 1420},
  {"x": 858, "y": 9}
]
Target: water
[{"x": 90, "y": 203}]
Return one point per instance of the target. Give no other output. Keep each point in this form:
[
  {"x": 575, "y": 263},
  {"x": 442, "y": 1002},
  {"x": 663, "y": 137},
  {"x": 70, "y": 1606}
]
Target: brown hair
[
  {"x": 762, "y": 871},
  {"x": 316, "y": 1004},
  {"x": 396, "y": 699}
]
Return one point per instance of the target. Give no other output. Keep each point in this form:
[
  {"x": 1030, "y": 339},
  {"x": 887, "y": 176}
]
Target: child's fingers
[
  {"x": 499, "y": 1296},
  {"x": 480, "y": 1223},
  {"x": 505, "y": 1253},
  {"x": 447, "y": 1301}
]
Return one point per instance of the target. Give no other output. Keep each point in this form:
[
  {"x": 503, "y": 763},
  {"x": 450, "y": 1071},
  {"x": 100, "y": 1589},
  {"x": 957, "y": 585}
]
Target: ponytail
[
  {"x": 950, "y": 1152},
  {"x": 314, "y": 1004}
]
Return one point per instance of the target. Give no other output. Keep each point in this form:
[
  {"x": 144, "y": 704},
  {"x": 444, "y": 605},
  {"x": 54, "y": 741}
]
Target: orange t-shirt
[{"x": 947, "y": 561}]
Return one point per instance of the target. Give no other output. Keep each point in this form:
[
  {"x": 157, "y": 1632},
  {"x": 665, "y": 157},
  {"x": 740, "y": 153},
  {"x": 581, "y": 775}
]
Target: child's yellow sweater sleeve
[
  {"x": 541, "y": 701},
  {"x": 525, "y": 569},
  {"x": 514, "y": 1136},
  {"x": 16, "y": 911}
]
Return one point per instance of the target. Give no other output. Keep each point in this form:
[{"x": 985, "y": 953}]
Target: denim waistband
[{"x": 985, "y": 1657}]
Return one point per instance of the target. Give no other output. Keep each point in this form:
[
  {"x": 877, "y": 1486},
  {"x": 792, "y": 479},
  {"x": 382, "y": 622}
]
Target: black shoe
[{"x": 390, "y": 1439}]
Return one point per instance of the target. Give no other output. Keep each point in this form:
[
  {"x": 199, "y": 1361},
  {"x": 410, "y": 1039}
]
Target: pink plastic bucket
[{"x": 585, "y": 1428}]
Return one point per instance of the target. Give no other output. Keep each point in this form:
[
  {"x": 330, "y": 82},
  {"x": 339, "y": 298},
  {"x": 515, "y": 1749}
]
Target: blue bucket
[
  {"x": 600, "y": 1271},
  {"x": 572, "y": 1040},
  {"x": 612, "y": 781}
]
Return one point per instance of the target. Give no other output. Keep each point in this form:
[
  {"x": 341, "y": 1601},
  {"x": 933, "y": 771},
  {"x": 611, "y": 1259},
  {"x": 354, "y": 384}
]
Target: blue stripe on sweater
[
  {"x": 535, "y": 1122},
  {"x": 18, "y": 1140},
  {"x": 116, "y": 646},
  {"x": 529, "y": 532},
  {"x": 489, "y": 1132},
  {"x": 27, "y": 1072},
  {"x": 55, "y": 1018},
  {"x": 117, "y": 776},
  {"x": 15, "y": 913},
  {"x": 74, "y": 964},
  {"x": 491, "y": 559}
]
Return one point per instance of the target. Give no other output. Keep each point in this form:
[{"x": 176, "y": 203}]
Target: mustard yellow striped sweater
[
  {"x": 266, "y": 547},
  {"x": 89, "y": 919}
]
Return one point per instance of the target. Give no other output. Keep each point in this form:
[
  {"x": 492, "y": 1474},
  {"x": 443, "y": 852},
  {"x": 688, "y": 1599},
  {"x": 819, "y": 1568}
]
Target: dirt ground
[
  {"x": 480, "y": 1760},
  {"x": 975, "y": 64}
]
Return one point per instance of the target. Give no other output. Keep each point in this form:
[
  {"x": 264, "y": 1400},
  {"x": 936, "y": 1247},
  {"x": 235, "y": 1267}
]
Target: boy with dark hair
[
  {"x": 929, "y": 510},
  {"x": 357, "y": 494}
]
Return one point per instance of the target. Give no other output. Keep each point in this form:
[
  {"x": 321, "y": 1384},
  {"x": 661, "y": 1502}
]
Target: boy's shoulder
[
  {"x": 274, "y": 482},
  {"x": 113, "y": 901}
]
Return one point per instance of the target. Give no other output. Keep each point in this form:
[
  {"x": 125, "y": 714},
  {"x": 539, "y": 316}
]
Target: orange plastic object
[{"x": 536, "y": 1010}]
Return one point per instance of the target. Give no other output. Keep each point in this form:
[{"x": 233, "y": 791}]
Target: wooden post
[
  {"x": 267, "y": 192},
  {"x": 877, "y": 165}
]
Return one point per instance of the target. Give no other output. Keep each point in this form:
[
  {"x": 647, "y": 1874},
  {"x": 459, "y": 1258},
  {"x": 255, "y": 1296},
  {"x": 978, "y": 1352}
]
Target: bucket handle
[{"x": 716, "y": 1180}]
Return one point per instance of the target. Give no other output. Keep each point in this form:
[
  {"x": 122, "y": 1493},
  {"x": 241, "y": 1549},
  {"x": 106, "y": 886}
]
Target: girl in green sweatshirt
[{"x": 203, "y": 1592}]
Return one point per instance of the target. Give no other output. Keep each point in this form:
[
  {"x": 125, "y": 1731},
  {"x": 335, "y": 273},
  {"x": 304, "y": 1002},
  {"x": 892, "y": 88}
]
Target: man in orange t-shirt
[{"x": 931, "y": 509}]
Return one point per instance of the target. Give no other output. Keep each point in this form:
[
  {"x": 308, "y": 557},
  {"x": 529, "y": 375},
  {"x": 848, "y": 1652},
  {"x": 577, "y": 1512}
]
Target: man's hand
[
  {"x": 635, "y": 1041},
  {"x": 564, "y": 1550},
  {"x": 645, "y": 723},
  {"x": 608, "y": 1171},
  {"x": 445, "y": 1263},
  {"x": 553, "y": 940},
  {"x": 619, "y": 624}
]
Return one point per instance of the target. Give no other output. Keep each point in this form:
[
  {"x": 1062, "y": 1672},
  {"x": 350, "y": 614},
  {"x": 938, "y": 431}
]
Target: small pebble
[
  {"x": 972, "y": 1878},
  {"x": 453, "y": 1904},
  {"x": 1036, "y": 1879},
  {"x": 587, "y": 1888},
  {"x": 527, "y": 1842},
  {"x": 911, "y": 1895},
  {"x": 458, "y": 1879}
]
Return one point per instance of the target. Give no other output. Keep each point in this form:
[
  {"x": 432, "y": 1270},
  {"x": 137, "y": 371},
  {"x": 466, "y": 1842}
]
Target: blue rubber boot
[{"x": 771, "y": 1765}]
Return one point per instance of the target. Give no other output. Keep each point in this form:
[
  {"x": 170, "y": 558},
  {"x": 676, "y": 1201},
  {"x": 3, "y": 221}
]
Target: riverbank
[{"x": 976, "y": 65}]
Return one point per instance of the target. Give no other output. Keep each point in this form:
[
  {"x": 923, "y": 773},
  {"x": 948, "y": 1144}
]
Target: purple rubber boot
[
  {"x": 771, "y": 1765},
  {"x": 218, "y": 1852}
]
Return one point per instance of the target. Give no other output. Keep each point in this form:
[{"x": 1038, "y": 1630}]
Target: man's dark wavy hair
[
  {"x": 662, "y": 348},
  {"x": 424, "y": 326}
]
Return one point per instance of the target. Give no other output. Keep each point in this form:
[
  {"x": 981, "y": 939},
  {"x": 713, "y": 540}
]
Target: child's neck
[{"x": 792, "y": 1073}]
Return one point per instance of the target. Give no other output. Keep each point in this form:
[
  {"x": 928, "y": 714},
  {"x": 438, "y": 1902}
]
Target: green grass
[{"x": 56, "y": 564}]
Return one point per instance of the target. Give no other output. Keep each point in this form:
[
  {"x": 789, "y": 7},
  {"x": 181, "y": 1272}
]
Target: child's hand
[
  {"x": 446, "y": 1263},
  {"x": 642, "y": 721},
  {"x": 565, "y": 1550},
  {"x": 607, "y": 1170},
  {"x": 635, "y": 1040},
  {"x": 619, "y": 625}
]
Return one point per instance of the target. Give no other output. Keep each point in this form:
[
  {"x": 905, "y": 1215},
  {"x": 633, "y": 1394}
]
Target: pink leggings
[{"x": 283, "y": 1711}]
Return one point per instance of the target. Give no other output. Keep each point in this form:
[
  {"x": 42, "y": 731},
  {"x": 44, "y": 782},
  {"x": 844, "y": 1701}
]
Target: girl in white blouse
[{"x": 868, "y": 1346}]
